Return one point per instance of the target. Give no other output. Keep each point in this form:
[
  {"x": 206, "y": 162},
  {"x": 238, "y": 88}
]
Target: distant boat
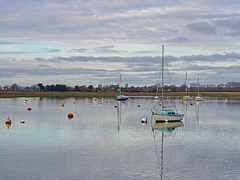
[
  {"x": 166, "y": 114},
  {"x": 187, "y": 96},
  {"x": 157, "y": 97},
  {"x": 198, "y": 97},
  {"x": 121, "y": 97}
]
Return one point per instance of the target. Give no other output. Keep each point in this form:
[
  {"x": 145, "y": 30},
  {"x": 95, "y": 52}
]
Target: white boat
[
  {"x": 187, "y": 96},
  {"x": 166, "y": 113},
  {"x": 121, "y": 97},
  {"x": 198, "y": 97}
]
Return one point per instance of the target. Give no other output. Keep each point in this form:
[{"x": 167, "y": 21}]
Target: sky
[{"x": 91, "y": 42}]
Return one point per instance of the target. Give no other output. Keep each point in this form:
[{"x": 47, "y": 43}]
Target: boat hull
[
  {"x": 187, "y": 98},
  {"x": 122, "y": 98},
  {"x": 167, "y": 118},
  {"x": 198, "y": 98}
]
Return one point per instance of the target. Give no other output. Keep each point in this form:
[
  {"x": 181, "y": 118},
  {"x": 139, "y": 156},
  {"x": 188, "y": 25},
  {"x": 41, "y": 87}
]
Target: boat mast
[
  {"x": 186, "y": 83},
  {"x": 198, "y": 85},
  {"x": 162, "y": 72},
  {"x": 120, "y": 85}
]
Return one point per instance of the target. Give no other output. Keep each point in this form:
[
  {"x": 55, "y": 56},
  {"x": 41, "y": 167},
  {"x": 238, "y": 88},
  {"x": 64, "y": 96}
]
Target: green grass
[{"x": 13, "y": 94}]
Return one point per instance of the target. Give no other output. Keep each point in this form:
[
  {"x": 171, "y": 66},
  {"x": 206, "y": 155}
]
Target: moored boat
[
  {"x": 198, "y": 97},
  {"x": 121, "y": 97},
  {"x": 166, "y": 114},
  {"x": 187, "y": 96}
]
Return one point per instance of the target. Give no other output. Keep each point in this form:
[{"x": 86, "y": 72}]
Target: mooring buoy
[
  {"x": 70, "y": 115},
  {"x": 144, "y": 121}
]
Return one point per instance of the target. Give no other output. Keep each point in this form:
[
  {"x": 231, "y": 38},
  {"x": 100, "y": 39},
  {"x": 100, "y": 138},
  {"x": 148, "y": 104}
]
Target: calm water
[{"x": 103, "y": 142}]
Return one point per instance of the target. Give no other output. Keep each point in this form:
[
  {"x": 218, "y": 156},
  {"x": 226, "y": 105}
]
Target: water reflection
[
  {"x": 119, "y": 113},
  {"x": 198, "y": 103},
  {"x": 166, "y": 129}
]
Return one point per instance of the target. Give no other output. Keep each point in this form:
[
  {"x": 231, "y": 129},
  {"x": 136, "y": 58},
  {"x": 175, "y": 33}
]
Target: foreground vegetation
[{"x": 13, "y": 94}]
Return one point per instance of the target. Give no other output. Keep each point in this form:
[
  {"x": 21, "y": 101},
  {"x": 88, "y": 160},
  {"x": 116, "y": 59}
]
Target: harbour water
[{"x": 106, "y": 139}]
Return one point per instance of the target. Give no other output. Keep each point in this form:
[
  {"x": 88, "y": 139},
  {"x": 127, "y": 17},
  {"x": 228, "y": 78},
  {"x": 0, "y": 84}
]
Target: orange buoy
[
  {"x": 8, "y": 122},
  {"x": 62, "y": 105},
  {"x": 34, "y": 99},
  {"x": 29, "y": 109},
  {"x": 70, "y": 115}
]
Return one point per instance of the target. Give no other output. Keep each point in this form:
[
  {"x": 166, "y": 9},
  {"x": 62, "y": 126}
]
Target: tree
[{"x": 40, "y": 85}]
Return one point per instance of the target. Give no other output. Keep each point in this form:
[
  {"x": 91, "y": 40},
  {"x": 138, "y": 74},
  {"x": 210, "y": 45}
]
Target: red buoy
[
  {"x": 70, "y": 115},
  {"x": 29, "y": 109}
]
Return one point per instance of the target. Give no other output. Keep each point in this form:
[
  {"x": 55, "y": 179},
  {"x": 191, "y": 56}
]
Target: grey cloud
[
  {"x": 202, "y": 27},
  {"x": 50, "y": 50}
]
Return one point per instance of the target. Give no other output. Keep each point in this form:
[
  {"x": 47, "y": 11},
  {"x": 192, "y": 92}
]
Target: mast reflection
[
  {"x": 164, "y": 128},
  {"x": 119, "y": 114}
]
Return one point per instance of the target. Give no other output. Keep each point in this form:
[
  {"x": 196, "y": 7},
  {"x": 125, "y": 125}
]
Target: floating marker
[
  {"x": 70, "y": 115},
  {"x": 8, "y": 122},
  {"x": 29, "y": 109},
  {"x": 144, "y": 121},
  {"x": 22, "y": 121}
]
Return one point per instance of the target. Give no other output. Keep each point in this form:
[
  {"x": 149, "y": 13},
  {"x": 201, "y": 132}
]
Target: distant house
[{"x": 5, "y": 88}]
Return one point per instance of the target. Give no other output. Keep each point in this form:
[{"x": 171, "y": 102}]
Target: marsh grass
[{"x": 14, "y": 94}]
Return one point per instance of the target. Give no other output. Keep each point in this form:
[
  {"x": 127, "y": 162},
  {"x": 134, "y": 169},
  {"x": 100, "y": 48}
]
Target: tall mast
[
  {"x": 198, "y": 85},
  {"x": 186, "y": 83},
  {"x": 162, "y": 72},
  {"x": 120, "y": 84}
]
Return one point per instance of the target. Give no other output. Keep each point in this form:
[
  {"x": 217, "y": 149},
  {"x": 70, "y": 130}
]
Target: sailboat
[
  {"x": 198, "y": 97},
  {"x": 121, "y": 97},
  {"x": 187, "y": 96},
  {"x": 166, "y": 114},
  {"x": 157, "y": 97}
]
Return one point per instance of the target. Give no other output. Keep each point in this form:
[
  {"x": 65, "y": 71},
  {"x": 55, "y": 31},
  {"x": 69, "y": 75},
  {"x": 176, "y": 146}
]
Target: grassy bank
[{"x": 13, "y": 94}]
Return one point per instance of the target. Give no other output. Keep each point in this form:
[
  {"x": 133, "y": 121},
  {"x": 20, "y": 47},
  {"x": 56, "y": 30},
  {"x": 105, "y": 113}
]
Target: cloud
[
  {"x": 202, "y": 27},
  {"x": 135, "y": 70},
  {"x": 98, "y": 40}
]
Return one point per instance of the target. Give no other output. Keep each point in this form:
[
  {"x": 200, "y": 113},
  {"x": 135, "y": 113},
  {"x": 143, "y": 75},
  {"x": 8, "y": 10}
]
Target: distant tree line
[{"x": 228, "y": 87}]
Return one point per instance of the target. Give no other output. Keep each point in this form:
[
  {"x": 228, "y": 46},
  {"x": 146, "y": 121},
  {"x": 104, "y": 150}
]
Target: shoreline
[{"x": 15, "y": 94}]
